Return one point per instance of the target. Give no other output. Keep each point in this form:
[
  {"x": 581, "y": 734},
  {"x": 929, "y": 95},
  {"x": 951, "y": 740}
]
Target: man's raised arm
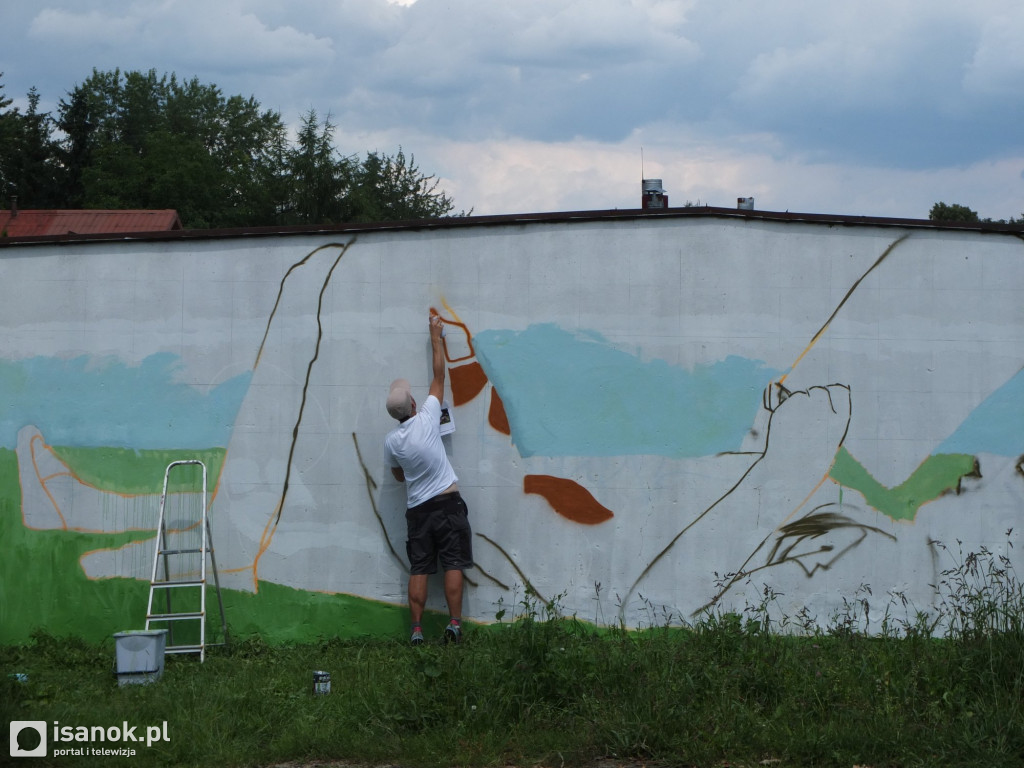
[{"x": 437, "y": 356}]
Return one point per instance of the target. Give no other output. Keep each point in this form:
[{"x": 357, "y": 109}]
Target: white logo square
[{"x": 21, "y": 733}]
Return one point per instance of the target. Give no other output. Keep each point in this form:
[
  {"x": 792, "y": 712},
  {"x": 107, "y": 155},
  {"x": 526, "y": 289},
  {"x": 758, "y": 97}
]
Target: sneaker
[
  {"x": 417, "y": 638},
  {"x": 453, "y": 633}
]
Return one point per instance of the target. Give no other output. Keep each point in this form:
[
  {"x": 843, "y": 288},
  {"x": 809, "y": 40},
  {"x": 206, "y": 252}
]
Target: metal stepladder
[{"x": 182, "y": 550}]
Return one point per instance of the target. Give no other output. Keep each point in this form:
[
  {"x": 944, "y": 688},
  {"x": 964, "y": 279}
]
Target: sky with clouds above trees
[{"x": 877, "y": 108}]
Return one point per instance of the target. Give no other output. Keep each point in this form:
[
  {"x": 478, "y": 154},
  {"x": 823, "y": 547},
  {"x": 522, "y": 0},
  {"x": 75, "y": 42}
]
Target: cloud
[
  {"x": 997, "y": 67},
  {"x": 61, "y": 28},
  {"x": 523, "y": 176},
  {"x": 527, "y": 68},
  {"x": 543, "y": 104},
  {"x": 183, "y": 35}
]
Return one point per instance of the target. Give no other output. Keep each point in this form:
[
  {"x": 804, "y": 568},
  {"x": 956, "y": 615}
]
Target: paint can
[{"x": 321, "y": 682}]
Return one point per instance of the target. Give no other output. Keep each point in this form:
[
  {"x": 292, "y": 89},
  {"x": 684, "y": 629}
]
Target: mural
[{"x": 652, "y": 416}]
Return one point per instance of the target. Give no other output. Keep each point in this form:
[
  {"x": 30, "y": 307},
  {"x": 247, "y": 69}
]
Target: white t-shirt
[{"x": 415, "y": 446}]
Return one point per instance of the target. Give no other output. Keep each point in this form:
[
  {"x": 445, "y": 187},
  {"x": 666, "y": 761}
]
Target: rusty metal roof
[{"x": 32, "y": 223}]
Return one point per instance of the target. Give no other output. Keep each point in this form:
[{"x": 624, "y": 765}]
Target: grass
[{"x": 541, "y": 689}]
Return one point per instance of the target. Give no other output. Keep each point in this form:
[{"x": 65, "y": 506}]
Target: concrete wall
[{"x": 653, "y": 416}]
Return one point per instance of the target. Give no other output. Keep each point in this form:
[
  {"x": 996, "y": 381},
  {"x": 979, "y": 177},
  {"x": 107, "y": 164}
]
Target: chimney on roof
[
  {"x": 745, "y": 203},
  {"x": 653, "y": 195},
  {"x": 14, "y": 206}
]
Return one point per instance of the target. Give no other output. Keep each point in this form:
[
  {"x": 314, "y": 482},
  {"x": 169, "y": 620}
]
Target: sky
[{"x": 863, "y": 108}]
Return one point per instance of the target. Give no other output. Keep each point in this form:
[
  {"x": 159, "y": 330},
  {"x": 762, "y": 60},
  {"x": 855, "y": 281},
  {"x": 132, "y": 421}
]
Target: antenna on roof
[{"x": 653, "y": 195}]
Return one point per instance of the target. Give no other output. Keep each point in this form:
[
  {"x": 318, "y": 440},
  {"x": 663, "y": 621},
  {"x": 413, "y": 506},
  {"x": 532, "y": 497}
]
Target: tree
[
  {"x": 252, "y": 147},
  {"x": 9, "y": 129},
  {"x": 139, "y": 140},
  {"x": 75, "y": 150},
  {"x": 319, "y": 176},
  {"x": 29, "y": 168},
  {"x": 952, "y": 213},
  {"x": 389, "y": 188},
  {"x": 330, "y": 188}
]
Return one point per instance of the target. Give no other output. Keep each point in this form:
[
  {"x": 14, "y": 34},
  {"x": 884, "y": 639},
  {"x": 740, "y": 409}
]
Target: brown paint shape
[
  {"x": 465, "y": 329},
  {"x": 467, "y": 382},
  {"x": 568, "y": 498},
  {"x": 496, "y": 415}
]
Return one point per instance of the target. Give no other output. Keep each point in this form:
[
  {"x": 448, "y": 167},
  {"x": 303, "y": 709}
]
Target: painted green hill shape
[
  {"x": 128, "y": 471},
  {"x": 43, "y": 586},
  {"x": 937, "y": 475}
]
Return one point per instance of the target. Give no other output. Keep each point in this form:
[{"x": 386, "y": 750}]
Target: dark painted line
[
  {"x": 305, "y": 384},
  {"x": 371, "y": 486},
  {"x": 522, "y": 575}
]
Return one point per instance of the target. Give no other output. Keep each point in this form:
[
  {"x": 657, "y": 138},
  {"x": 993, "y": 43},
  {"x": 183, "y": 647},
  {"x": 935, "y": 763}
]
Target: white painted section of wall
[{"x": 887, "y": 359}]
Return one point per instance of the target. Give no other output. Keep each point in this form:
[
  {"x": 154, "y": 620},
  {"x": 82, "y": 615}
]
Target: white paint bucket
[{"x": 140, "y": 655}]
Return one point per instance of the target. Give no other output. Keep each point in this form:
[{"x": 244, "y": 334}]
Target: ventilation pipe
[{"x": 653, "y": 195}]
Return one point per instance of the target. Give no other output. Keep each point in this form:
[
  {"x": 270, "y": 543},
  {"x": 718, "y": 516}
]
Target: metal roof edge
[{"x": 513, "y": 218}]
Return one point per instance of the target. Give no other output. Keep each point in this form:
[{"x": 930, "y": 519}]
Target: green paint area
[
  {"x": 127, "y": 471},
  {"x": 938, "y": 474},
  {"x": 43, "y": 586}
]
